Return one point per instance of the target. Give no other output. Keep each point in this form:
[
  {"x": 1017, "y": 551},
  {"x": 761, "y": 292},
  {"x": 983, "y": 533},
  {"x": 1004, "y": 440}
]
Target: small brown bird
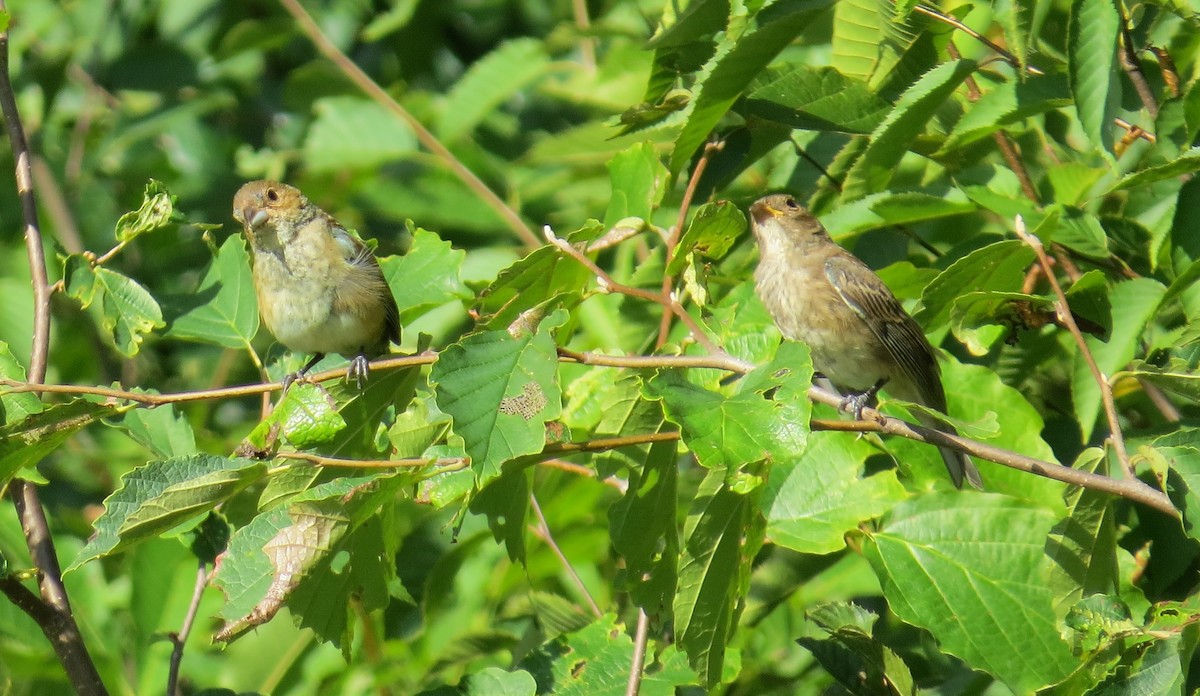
[
  {"x": 320, "y": 289},
  {"x": 860, "y": 336}
]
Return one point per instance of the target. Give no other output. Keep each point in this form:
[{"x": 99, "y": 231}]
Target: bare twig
[
  {"x": 427, "y": 138},
  {"x": 947, "y": 19},
  {"x": 1135, "y": 131},
  {"x": 640, "y": 638},
  {"x": 543, "y": 531},
  {"x": 1161, "y": 401},
  {"x": 1064, "y": 315},
  {"x": 443, "y": 464},
  {"x": 673, "y": 235},
  {"x": 1133, "y": 69},
  {"x": 180, "y": 639},
  {"x": 57, "y": 622}
]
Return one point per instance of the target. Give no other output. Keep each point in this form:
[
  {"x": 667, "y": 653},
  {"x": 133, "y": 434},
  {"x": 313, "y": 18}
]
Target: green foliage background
[{"x": 768, "y": 558}]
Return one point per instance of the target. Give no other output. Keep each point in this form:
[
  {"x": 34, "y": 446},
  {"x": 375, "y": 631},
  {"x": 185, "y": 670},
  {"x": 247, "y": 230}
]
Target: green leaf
[
  {"x": 161, "y": 495},
  {"x": 125, "y": 311},
  {"x": 1017, "y": 18},
  {"x": 491, "y": 80},
  {"x": 713, "y": 230},
  {"x": 283, "y": 555},
  {"x": 996, "y": 267},
  {"x": 355, "y": 133},
  {"x": 1134, "y": 303},
  {"x": 1083, "y": 546},
  {"x": 16, "y": 407},
  {"x": 428, "y": 276},
  {"x": 543, "y": 275},
  {"x": 895, "y": 136},
  {"x": 1186, "y": 163},
  {"x": 494, "y": 681},
  {"x": 969, "y": 572},
  {"x": 162, "y": 430},
  {"x": 1093, "y": 70},
  {"x": 812, "y": 501},
  {"x": 886, "y": 209},
  {"x": 818, "y": 98},
  {"x": 25, "y": 442},
  {"x": 638, "y": 180},
  {"x": 156, "y": 212},
  {"x": 857, "y": 35},
  {"x": 859, "y": 662},
  {"x": 729, "y": 431},
  {"x": 505, "y": 502},
  {"x": 1008, "y": 103},
  {"x": 726, "y": 76},
  {"x": 722, "y": 535},
  {"x": 500, "y": 390},
  {"x": 223, "y": 309},
  {"x": 305, "y": 417},
  {"x": 644, "y": 532},
  {"x": 1177, "y": 377}
]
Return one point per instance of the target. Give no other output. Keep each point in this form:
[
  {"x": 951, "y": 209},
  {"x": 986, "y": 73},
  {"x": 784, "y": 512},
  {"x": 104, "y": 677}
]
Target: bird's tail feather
[{"x": 959, "y": 465}]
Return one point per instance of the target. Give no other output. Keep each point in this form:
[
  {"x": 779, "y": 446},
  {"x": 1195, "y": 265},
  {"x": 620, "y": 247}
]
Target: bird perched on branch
[
  {"x": 860, "y": 336},
  {"x": 320, "y": 289}
]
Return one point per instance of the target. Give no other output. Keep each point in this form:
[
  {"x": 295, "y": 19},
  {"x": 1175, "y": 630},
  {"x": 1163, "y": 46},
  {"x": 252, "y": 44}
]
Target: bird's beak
[
  {"x": 761, "y": 212},
  {"x": 254, "y": 217}
]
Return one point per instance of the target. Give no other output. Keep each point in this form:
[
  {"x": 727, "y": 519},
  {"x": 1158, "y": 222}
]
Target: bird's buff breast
[
  {"x": 807, "y": 309},
  {"x": 296, "y": 297}
]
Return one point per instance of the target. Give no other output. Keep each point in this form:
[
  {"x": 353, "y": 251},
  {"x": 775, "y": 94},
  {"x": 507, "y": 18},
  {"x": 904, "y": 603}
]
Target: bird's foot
[
  {"x": 299, "y": 374},
  {"x": 855, "y": 403},
  {"x": 360, "y": 368}
]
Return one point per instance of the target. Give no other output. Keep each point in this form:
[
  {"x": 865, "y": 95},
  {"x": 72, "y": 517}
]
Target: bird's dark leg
[
  {"x": 292, "y": 377},
  {"x": 359, "y": 369},
  {"x": 855, "y": 403}
]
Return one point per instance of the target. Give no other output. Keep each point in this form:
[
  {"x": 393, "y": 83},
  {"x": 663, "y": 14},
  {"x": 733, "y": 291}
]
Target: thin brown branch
[
  {"x": 58, "y": 621},
  {"x": 674, "y": 234},
  {"x": 1161, "y": 401},
  {"x": 1063, "y": 310},
  {"x": 427, "y": 138},
  {"x": 542, "y": 529},
  {"x": 1135, "y": 131},
  {"x": 179, "y": 640},
  {"x": 640, "y": 638},
  {"x": 1127, "y": 54},
  {"x": 947, "y": 19},
  {"x": 444, "y": 464},
  {"x": 587, "y": 472},
  {"x": 723, "y": 361},
  {"x": 1166, "y": 65}
]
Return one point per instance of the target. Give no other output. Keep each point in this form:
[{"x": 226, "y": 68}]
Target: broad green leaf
[
  {"x": 698, "y": 19},
  {"x": 996, "y": 267},
  {"x": 162, "y": 429},
  {"x": 818, "y": 98},
  {"x": 1092, "y": 68},
  {"x": 712, "y": 231},
  {"x": 813, "y": 500},
  {"x": 429, "y": 275},
  {"x": 722, "y": 535},
  {"x": 1186, "y": 163},
  {"x": 644, "y": 532},
  {"x": 223, "y": 309},
  {"x": 500, "y": 390},
  {"x": 726, "y": 76},
  {"x": 857, "y": 35},
  {"x": 1082, "y": 547},
  {"x": 544, "y": 274},
  {"x": 494, "y": 681},
  {"x": 1017, "y": 18},
  {"x": 638, "y": 180},
  {"x": 595, "y": 661},
  {"x": 731, "y": 431},
  {"x": 968, "y": 568},
  {"x": 852, "y": 655},
  {"x": 895, "y": 136},
  {"x": 125, "y": 311},
  {"x": 1177, "y": 377},
  {"x": 888, "y": 208},
  {"x": 1079, "y": 231},
  {"x": 25, "y": 442},
  {"x": 305, "y": 417},
  {"x": 975, "y": 316},
  {"x": 16, "y": 407},
  {"x": 490, "y": 81},
  {"x": 164, "y": 494},
  {"x": 1134, "y": 303},
  {"x": 280, "y": 551},
  {"x": 157, "y": 211},
  {"x": 505, "y": 502},
  {"x": 1008, "y": 103},
  {"x": 351, "y": 133}
]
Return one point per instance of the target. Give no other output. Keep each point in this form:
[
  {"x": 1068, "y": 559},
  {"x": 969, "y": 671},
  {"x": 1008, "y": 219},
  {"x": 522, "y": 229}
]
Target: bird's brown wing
[
  {"x": 866, "y": 294},
  {"x": 359, "y": 254}
]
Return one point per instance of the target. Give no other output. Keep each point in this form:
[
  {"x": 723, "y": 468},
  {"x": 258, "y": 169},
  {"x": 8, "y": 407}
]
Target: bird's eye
[
  {"x": 272, "y": 195},
  {"x": 791, "y": 203}
]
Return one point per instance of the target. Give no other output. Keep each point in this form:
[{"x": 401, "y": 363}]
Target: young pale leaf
[
  {"x": 490, "y": 81},
  {"x": 500, "y": 390},
  {"x": 713, "y": 230},
  {"x": 157, "y": 211},
  {"x": 223, "y": 309},
  {"x": 725, "y": 77},
  {"x": 638, "y": 182},
  {"x": 1134, "y": 303},
  {"x": 963, "y": 569},
  {"x": 731, "y": 431},
  {"x": 355, "y": 133},
  {"x": 894, "y": 137},
  {"x": 812, "y": 501},
  {"x": 428, "y": 276},
  {"x": 162, "y": 495},
  {"x": 722, "y": 535},
  {"x": 1092, "y": 36},
  {"x": 818, "y": 98}
]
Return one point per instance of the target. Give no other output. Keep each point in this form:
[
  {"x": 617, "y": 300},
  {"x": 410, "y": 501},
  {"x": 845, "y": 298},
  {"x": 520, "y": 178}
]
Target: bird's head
[
  {"x": 779, "y": 222},
  {"x": 261, "y": 205}
]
